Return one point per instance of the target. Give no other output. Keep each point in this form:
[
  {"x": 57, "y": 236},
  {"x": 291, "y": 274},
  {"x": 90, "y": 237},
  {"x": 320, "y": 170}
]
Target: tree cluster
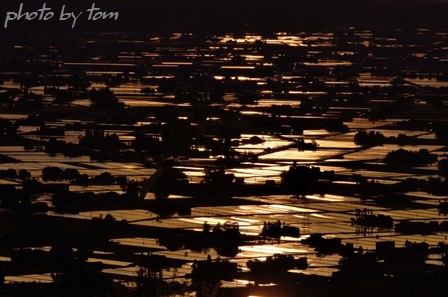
[{"x": 410, "y": 158}]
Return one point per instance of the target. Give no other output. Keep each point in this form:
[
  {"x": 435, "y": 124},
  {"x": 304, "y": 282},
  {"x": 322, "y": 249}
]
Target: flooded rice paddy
[
  {"x": 272, "y": 152},
  {"x": 326, "y": 214}
]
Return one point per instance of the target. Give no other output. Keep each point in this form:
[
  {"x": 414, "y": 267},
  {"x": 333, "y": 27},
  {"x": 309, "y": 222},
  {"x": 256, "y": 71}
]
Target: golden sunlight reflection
[
  {"x": 253, "y": 209},
  {"x": 328, "y": 198},
  {"x": 42, "y": 278},
  {"x": 245, "y": 220},
  {"x": 271, "y": 249},
  {"x": 319, "y": 215},
  {"x": 287, "y": 208}
]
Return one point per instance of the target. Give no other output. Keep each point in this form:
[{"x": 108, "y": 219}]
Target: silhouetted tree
[
  {"x": 443, "y": 168},
  {"x": 105, "y": 99}
]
